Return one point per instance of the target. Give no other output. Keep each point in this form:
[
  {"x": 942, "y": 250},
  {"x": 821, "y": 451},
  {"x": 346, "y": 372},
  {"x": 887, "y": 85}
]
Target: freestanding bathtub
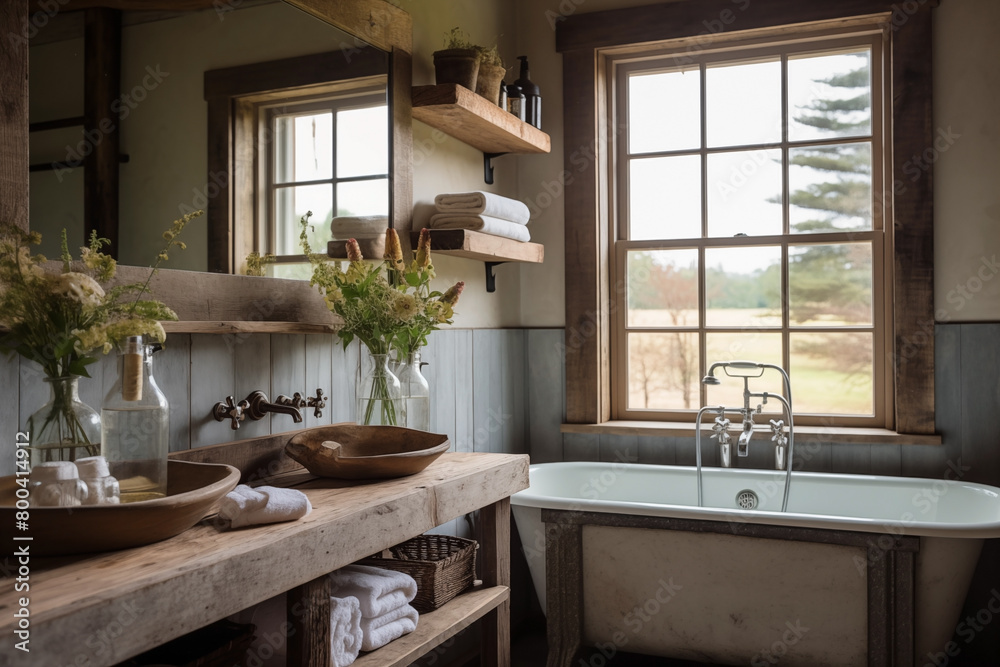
[{"x": 861, "y": 570}]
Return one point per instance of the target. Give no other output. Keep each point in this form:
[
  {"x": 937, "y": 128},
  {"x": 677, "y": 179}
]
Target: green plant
[
  {"x": 490, "y": 56},
  {"x": 458, "y": 39}
]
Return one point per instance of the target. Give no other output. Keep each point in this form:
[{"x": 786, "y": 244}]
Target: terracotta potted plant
[
  {"x": 491, "y": 73},
  {"x": 458, "y": 62}
]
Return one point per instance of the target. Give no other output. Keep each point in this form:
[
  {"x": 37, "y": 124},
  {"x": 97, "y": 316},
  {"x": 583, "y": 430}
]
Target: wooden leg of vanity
[
  {"x": 308, "y": 614},
  {"x": 494, "y": 552}
]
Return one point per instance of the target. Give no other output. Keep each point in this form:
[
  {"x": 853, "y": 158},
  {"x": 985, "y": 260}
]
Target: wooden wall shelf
[
  {"x": 461, "y": 113},
  {"x": 484, "y": 247},
  {"x": 249, "y": 328}
]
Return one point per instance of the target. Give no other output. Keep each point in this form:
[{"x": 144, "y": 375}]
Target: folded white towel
[
  {"x": 481, "y": 223},
  {"x": 244, "y": 506},
  {"x": 377, "y": 590},
  {"x": 360, "y": 226},
  {"x": 377, "y": 632},
  {"x": 484, "y": 203},
  {"x": 345, "y": 630}
]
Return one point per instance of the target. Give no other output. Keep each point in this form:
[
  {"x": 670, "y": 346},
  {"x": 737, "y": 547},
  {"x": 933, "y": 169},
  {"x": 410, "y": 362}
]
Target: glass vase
[
  {"x": 379, "y": 396},
  {"x": 64, "y": 429},
  {"x": 136, "y": 426},
  {"x": 416, "y": 393}
]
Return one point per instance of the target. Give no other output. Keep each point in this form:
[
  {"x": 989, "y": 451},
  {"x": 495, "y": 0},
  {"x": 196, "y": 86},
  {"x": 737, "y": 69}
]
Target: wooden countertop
[{"x": 105, "y": 608}]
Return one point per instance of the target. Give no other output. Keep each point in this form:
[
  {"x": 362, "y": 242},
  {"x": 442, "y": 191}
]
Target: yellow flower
[
  {"x": 405, "y": 307},
  {"x": 79, "y": 287},
  {"x": 424, "y": 249},
  {"x": 393, "y": 251}
]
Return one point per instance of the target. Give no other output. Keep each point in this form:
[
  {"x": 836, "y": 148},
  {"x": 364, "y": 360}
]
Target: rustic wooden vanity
[{"x": 104, "y": 608}]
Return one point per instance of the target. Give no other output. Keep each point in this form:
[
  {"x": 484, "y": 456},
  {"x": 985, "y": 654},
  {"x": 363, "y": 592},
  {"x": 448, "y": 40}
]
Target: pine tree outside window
[{"x": 750, "y": 203}]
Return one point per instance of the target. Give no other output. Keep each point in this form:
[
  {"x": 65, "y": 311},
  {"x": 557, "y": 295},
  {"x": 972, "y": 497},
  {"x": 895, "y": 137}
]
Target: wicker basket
[{"x": 443, "y": 566}]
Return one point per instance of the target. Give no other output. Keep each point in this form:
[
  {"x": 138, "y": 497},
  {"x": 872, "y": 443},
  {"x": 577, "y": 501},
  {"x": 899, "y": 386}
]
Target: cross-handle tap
[
  {"x": 230, "y": 410},
  {"x": 720, "y": 431}
]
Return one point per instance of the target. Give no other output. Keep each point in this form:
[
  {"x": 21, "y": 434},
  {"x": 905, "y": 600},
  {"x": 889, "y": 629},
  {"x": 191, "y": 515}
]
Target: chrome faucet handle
[
  {"x": 317, "y": 402},
  {"x": 720, "y": 431},
  {"x": 778, "y": 430},
  {"x": 230, "y": 410}
]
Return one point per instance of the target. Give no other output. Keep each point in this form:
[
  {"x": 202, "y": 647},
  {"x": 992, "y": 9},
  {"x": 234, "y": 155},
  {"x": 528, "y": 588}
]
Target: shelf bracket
[
  {"x": 488, "y": 166},
  {"x": 491, "y": 279}
]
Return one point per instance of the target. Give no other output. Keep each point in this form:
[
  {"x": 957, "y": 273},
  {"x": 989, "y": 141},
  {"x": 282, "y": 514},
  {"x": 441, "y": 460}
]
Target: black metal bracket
[
  {"x": 488, "y": 166},
  {"x": 491, "y": 280}
]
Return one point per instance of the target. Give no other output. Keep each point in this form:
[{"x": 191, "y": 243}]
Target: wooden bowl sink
[
  {"x": 193, "y": 489},
  {"x": 351, "y": 451}
]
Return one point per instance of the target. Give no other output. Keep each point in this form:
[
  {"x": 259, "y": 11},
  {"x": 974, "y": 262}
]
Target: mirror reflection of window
[{"x": 328, "y": 156}]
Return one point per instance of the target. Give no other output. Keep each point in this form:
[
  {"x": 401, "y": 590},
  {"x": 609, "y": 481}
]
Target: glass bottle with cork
[{"x": 135, "y": 426}]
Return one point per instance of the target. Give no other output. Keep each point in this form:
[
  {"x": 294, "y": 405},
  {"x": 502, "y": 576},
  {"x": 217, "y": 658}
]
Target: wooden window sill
[{"x": 839, "y": 435}]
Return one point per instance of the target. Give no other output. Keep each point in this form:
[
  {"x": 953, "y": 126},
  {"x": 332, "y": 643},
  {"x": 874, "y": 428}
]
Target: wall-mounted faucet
[{"x": 255, "y": 406}]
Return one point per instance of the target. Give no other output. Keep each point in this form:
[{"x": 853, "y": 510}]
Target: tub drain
[{"x": 746, "y": 499}]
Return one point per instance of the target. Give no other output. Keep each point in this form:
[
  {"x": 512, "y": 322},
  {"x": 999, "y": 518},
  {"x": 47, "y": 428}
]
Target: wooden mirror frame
[{"x": 210, "y": 302}]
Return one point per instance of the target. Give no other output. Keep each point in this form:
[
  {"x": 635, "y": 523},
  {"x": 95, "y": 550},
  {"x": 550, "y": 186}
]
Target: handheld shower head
[{"x": 711, "y": 379}]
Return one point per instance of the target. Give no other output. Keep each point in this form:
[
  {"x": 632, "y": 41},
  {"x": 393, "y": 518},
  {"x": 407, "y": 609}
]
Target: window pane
[
  {"x": 663, "y": 371},
  {"x": 760, "y": 347},
  {"x": 744, "y": 193},
  {"x": 832, "y": 373},
  {"x": 363, "y": 197},
  {"x": 830, "y": 96},
  {"x": 362, "y": 142},
  {"x": 295, "y": 271},
  {"x": 743, "y": 287},
  {"x": 665, "y": 198},
  {"x": 303, "y": 148},
  {"x": 290, "y": 205},
  {"x": 830, "y": 285},
  {"x": 664, "y": 111},
  {"x": 830, "y": 188},
  {"x": 662, "y": 288},
  {"x": 744, "y": 104}
]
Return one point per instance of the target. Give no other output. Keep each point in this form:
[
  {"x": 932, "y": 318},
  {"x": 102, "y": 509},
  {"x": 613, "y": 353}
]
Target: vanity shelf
[{"x": 463, "y": 114}]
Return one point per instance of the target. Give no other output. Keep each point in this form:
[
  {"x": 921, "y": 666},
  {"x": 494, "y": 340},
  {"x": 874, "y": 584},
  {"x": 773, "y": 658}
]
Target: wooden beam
[
  {"x": 674, "y": 20},
  {"x": 14, "y": 114},
  {"x": 102, "y": 87},
  {"x": 913, "y": 224},
  {"x": 401, "y": 141},
  {"x": 494, "y": 521},
  {"x": 377, "y": 22},
  {"x": 128, "y": 5},
  {"x": 308, "y": 616}
]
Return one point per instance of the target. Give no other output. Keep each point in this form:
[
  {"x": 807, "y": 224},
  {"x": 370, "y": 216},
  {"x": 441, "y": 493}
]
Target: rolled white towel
[
  {"x": 359, "y": 226},
  {"x": 345, "y": 630},
  {"x": 481, "y": 223},
  {"x": 377, "y": 632},
  {"x": 243, "y": 507},
  {"x": 484, "y": 203},
  {"x": 377, "y": 590}
]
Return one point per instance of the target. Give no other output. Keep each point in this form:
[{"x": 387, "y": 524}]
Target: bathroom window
[
  {"x": 329, "y": 156},
  {"x": 739, "y": 190},
  {"x": 747, "y": 227}
]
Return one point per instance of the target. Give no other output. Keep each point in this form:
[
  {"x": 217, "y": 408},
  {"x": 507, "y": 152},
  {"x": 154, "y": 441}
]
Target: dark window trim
[{"x": 580, "y": 37}]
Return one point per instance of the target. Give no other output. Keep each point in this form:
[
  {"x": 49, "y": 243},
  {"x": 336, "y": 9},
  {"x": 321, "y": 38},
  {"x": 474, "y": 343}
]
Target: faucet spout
[
  {"x": 743, "y": 444},
  {"x": 259, "y": 406}
]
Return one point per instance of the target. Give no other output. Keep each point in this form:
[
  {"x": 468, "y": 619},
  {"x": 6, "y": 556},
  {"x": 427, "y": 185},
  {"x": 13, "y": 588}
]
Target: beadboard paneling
[
  {"x": 172, "y": 370},
  {"x": 251, "y": 371},
  {"x": 544, "y": 391},
  {"x": 464, "y": 373},
  {"x": 980, "y": 391},
  {"x": 319, "y": 375},
  {"x": 288, "y": 375},
  {"x": 343, "y": 373}
]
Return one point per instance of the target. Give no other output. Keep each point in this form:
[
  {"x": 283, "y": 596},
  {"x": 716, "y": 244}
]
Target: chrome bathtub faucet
[{"x": 782, "y": 444}]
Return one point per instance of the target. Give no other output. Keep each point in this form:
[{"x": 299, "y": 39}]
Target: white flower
[{"x": 80, "y": 288}]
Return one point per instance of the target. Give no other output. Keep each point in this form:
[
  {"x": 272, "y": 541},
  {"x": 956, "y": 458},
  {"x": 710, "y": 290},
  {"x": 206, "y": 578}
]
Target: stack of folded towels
[
  {"x": 482, "y": 212},
  {"x": 369, "y": 609},
  {"x": 358, "y": 227}
]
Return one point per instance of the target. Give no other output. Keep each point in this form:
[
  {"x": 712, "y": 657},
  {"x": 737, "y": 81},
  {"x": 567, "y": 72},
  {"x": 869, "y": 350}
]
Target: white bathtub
[{"x": 737, "y": 599}]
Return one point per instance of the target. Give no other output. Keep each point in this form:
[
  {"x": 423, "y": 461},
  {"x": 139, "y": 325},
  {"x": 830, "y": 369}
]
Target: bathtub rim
[{"x": 980, "y": 530}]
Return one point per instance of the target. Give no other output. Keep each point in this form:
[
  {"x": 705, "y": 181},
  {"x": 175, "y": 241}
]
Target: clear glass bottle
[
  {"x": 416, "y": 393},
  {"x": 135, "y": 426},
  {"x": 64, "y": 429},
  {"x": 379, "y": 395}
]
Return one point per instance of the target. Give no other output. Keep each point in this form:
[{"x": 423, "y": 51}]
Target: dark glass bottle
[{"x": 532, "y": 95}]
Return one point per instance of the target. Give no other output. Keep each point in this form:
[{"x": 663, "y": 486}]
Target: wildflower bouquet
[
  {"x": 386, "y": 305},
  {"x": 61, "y": 320}
]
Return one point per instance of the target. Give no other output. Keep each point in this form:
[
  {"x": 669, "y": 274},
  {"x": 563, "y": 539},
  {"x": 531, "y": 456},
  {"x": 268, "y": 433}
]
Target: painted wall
[{"x": 967, "y": 208}]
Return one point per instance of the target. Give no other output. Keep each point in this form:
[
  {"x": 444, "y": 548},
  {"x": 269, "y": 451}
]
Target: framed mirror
[{"x": 200, "y": 297}]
